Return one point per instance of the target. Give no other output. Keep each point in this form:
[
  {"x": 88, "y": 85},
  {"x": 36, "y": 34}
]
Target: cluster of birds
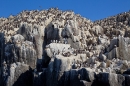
[
  {"x": 115, "y": 25},
  {"x": 98, "y": 63},
  {"x": 91, "y": 38}
]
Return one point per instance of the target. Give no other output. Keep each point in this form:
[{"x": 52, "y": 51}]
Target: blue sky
[{"x": 92, "y": 9}]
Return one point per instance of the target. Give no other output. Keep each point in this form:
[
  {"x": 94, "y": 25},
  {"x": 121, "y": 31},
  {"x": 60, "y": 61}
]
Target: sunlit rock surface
[{"x": 60, "y": 48}]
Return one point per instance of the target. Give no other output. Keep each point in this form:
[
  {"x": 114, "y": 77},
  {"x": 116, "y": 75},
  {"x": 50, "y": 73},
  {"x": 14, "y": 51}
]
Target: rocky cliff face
[{"x": 60, "y": 48}]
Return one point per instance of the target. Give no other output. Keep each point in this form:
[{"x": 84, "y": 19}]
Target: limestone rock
[{"x": 60, "y": 48}]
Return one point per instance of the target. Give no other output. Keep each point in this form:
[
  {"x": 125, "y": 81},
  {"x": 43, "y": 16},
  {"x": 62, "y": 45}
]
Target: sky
[{"x": 91, "y": 9}]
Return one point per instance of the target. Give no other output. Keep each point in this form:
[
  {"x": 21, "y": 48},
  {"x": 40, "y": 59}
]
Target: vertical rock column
[
  {"x": 39, "y": 38},
  {"x": 1, "y": 54},
  {"x": 124, "y": 50}
]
